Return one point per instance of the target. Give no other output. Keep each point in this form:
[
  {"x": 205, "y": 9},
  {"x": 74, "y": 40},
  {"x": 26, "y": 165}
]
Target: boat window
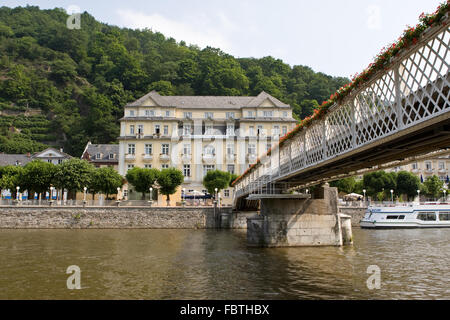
[
  {"x": 392, "y": 217},
  {"x": 444, "y": 216},
  {"x": 424, "y": 216},
  {"x": 401, "y": 217}
]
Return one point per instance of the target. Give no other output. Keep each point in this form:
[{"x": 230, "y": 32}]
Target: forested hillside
[{"x": 64, "y": 87}]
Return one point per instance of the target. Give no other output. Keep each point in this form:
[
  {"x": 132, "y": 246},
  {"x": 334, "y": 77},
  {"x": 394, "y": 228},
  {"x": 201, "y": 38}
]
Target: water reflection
[{"x": 199, "y": 264}]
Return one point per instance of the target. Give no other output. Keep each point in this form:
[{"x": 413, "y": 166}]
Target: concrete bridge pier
[{"x": 295, "y": 220}]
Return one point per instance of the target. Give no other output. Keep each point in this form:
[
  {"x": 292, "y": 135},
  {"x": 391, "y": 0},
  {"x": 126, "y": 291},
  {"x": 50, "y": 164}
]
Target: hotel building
[{"x": 197, "y": 134}]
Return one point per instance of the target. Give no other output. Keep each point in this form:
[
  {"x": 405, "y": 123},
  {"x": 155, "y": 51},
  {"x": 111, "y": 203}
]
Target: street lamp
[
  {"x": 418, "y": 193},
  {"x": 50, "y": 198},
  {"x": 151, "y": 196},
  {"x": 17, "y": 193},
  {"x": 392, "y": 196},
  {"x": 84, "y": 196},
  {"x": 364, "y": 191},
  {"x": 215, "y": 195},
  {"x": 445, "y": 195}
]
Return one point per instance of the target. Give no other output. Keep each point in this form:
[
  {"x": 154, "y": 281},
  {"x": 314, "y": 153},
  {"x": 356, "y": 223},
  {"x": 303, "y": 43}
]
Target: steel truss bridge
[{"x": 402, "y": 112}]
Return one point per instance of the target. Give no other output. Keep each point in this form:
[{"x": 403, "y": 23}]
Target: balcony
[
  {"x": 442, "y": 170},
  {"x": 164, "y": 157},
  {"x": 209, "y": 158},
  {"x": 251, "y": 158},
  {"x": 130, "y": 157},
  {"x": 231, "y": 157},
  {"x": 147, "y": 157},
  {"x": 186, "y": 158},
  {"x": 429, "y": 170}
]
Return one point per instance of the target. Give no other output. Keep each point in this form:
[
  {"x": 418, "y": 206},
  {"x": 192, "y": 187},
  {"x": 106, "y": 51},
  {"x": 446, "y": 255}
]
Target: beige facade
[
  {"x": 198, "y": 134},
  {"x": 438, "y": 166}
]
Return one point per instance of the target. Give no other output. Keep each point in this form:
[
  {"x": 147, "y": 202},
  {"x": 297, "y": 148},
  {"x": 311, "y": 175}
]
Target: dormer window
[
  {"x": 250, "y": 114},
  {"x": 98, "y": 156},
  {"x": 131, "y": 113},
  {"x": 149, "y": 113},
  {"x": 111, "y": 156},
  {"x": 285, "y": 114},
  {"x": 268, "y": 114}
]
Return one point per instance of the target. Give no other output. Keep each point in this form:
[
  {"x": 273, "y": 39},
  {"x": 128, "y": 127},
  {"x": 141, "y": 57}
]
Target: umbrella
[{"x": 421, "y": 178}]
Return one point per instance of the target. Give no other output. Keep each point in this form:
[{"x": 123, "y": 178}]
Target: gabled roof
[
  {"x": 14, "y": 159},
  {"x": 59, "y": 153},
  {"x": 208, "y": 102},
  {"x": 105, "y": 150}
]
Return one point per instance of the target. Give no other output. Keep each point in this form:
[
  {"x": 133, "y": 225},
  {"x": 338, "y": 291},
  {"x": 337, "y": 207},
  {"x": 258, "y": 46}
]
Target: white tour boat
[{"x": 426, "y": 215}]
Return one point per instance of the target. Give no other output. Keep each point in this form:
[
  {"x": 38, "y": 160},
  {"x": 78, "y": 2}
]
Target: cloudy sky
[{"x": 336, "y": 37}]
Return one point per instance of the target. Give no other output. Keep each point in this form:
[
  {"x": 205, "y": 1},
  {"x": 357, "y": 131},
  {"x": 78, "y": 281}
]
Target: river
[{"x": 209, "y": 264}]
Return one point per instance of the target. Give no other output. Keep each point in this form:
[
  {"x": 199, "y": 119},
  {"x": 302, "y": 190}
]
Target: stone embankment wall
[
  {"x": 356, "y": 213},
  {"x": 109, "y": 218}
]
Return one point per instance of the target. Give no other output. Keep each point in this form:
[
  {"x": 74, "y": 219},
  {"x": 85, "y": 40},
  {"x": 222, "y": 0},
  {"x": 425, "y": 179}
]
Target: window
[
  {"x": 209, "y": 130},
  {"x": 147, "y": 166},
  {"x": 251, "y": 131},
  {"x": 165, "y": 149},
  {"x": 125, "y": 193},
  {"x": 111, "y": 156},
  {"x": 140, "y": 129},
  {"x": 441, "y": 166},
  {"x": 276, "y": 130},
  {"x": 268, "y": 114},
  {"x": 230, "y": 168},
  {"x": 157, "y": 129},
  {"x": 60, "y": 161},
  {"x": 392, "y": 217},
  {"x": 130, "y": 166},
  {"x": 260, "y": 130},
  {"x": 415, "y": 166},
  {"x": 230, "y": 115},
  {"x": 166, "y": 130},
  {"x": 187, "y": 115},
  {"x": 230, "y": 129},
  {"x": 209, "y": 150},
  {"x": 187, "y": 170},
  {"x": 131, "y": 148},
  {"x": 444, "y": 216},
  {"x": 285, "y": 114},
  {"x": 250, "y": 114},
  {"x": 226, "y": 193},
  {"x": 49, "y": 161},
  {"x": 425, "y": 216},
  {"x": 268, "y": 146},
  {"x": 132, "y": 129},
  {"x": 167, "y": 113},
  {"x": 187, "y": 149},
  {"x": 443, "y": 178},
  {"x": 149, "y": 113},
  {"x": 164, "y": 166},
  {"x": 186, "y": 129},
  {"x": 209, "y": 115},
  {"x": 252, "y": 149},
  {"x": 428, "y": 166},
  {"x": 131, "y": 113},
  {"x": 207, "y": 168},
  {"x": 148, "y": 149},
  {"x": 284, "y": 130},
  {"x": 98, "y": 156},
  {"x": 230, "y": 149}
]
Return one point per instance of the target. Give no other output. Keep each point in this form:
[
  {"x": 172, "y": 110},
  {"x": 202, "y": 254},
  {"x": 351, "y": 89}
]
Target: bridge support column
[{"x": 286, "y": 221}]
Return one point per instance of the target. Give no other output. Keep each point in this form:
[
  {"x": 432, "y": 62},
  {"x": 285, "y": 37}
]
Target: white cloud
[{"x": 198, "y": 31}]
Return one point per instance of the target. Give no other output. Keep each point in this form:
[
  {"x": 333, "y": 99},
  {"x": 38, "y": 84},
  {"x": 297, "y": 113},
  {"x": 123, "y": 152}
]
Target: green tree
[
  {"x": 346, "y": 185},
  {"x": 433, "y": 186},
  {"x": 142, "y": 179},
  {"x": 407, "y": 184},
  {"x": 10, "y": 177},
  {"x": 216, "y": 179},
  {"x": 74, "y": 174},
  {"x": 106, "y": 180},
  {"x": 38, "y": 176},
  {"x": 169, "y": 180},
  {"x": 379, "y": 181}
]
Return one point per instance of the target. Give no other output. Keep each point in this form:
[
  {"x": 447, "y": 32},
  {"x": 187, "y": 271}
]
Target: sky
[{"x": 339, "y": 38}]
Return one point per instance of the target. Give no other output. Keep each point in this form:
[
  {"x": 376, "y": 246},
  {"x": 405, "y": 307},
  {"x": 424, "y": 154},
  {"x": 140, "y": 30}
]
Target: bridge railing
[{"x": 414, "y": 88}]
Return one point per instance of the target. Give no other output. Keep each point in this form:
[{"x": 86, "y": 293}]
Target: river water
[{"x": 209, "y": 264}]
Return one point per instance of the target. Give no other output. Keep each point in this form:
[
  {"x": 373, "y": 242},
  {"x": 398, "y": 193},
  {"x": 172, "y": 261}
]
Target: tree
[
  {"x": 379, "y": 181},
  {"x": 106, "y": 180},
  {"x": 346, "y": 185},
  {"x": 216, "y": 179},
  {"x": 38, "y": 176},
  {"x": 407, "y": 184},
  {"x": 10, "y": 177},
  {"x": 233, "y": 178},
  {"x": 433, "y": 186},
  {"x": 169, "y": 180},
  {"x": 142, "y": 179},
  {"x": 74, "y": 174}
]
